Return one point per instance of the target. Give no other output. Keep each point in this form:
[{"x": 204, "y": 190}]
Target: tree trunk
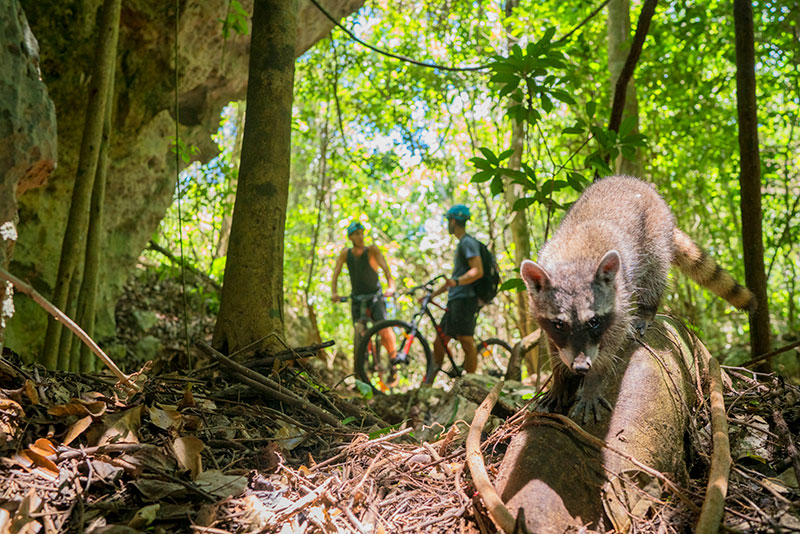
[
  {"x": 619, "y": 39},
  {"x": 563, "y": 481},
  {"x": 750, "y": 178},
  {"x": 251, "y": 307},
  {"x": 75, "y": 235},
  {"x": 519, "y": 219},
  {"x": 87, "y": 300}
]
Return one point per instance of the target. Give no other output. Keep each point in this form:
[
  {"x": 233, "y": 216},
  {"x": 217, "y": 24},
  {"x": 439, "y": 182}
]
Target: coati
[{"x": 599, "y": 280}]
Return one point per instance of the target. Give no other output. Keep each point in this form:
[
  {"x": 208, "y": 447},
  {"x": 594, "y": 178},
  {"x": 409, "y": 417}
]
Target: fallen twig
[
  {"x": 714, "y": 503},
  {"x": 786, "y": 435},
  {"x": 59, "y": 315},
  {"x": 269, "y": 387},
  {"x": 497, "y": 509}
]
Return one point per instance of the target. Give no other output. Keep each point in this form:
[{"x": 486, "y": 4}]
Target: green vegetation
[{"x": 393, "y": 144}]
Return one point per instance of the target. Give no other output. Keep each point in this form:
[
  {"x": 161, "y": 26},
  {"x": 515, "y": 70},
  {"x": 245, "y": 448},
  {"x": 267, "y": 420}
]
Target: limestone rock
[
  {"x": 27, "y": 115},
  {"x": 141, "y": 180}
]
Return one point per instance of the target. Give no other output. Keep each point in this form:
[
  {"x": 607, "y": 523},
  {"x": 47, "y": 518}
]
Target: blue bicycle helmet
[
  {"x": 354, "y": 227},
  {"x": 459, "y": 212}
]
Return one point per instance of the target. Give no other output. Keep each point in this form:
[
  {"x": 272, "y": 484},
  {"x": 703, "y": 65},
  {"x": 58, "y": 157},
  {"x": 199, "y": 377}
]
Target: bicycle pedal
[{"x": 400, "y": 358}]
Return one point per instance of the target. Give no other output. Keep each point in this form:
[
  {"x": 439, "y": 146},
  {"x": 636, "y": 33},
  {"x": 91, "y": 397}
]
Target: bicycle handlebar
[{"x": 427, "y": 285}]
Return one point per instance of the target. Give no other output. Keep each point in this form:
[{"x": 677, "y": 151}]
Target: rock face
[
  {"x": 27, "y": 115},
  {"x": 212, "y": 71}
]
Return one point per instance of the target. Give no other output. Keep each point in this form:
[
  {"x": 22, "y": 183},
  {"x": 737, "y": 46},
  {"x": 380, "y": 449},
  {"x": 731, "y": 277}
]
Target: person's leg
[
  {"x": 470, "y": 353},
  {"x": 378, "y": 313},
  {"x": 467, "y": 314},
  {"x": 389, "y": 342}
]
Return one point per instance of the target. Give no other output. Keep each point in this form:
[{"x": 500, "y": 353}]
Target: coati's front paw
[
  {"x": 553, "y": 401},
  {"x": 640, "y": 325},
  {"x": 588, "y": 406}
]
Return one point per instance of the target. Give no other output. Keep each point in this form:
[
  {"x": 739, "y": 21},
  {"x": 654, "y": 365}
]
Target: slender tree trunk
[
  {"x": 225, "y": 229},
  {"x": 87, "y": 301},
  {"x": 519, "y": 219},
  {"x": 251, "y": 307},
  {"x": 750, "y": 177},
  {"x": 75, "y": 234},
  {"x": 619, "y": 35}
]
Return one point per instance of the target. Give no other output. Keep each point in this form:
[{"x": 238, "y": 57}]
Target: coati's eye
[
  {"x": 558, "y": 325},
  {"x": 594, "y": 323}
]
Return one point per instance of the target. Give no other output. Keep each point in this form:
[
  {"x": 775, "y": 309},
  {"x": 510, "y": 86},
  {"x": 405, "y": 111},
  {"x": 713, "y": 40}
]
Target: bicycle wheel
[
  {"x": 493, "y": 356},
  {"x": 372, "y": 361}
]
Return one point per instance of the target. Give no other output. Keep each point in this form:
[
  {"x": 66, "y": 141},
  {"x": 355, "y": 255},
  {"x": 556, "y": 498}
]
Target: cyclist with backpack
[{"x": 462, "y": 295}]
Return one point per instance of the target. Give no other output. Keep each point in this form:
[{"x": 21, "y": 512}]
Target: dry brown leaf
[
  {"x": 165, "y": 418},
  {"x": 44, "y": 447},
  {"x": 30, "y": 391},
  {"x": 122, "y": 427},
  {"x": 22, "y": 522},
  {"x": 187, "y": 451},
  {"x": 188, "y": 399},
  {"x": 11, "y": 412},
  {"x": 77, "y": 428},
  {"x": 37, "y": 463}
]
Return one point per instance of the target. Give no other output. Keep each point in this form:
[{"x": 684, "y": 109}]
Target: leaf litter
[{"x": 203, "y": 453}]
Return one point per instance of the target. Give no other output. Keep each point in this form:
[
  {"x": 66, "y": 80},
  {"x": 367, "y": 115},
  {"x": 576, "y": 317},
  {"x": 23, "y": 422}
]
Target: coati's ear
[
  {"x": 535, "y": 277},
  {"x": 608, "y": 267}
]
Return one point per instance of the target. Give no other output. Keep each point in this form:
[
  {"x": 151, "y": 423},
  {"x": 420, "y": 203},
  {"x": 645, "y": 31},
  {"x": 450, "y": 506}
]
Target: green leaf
[
  {"x": 563, "y": 96},
  {"x": 522, "y": 203},
  {"x": 591, "y": 107},
  {"x": 364, "y": 389},
  {"x": 489, "y": 155},
  {"x": 506, "y": 154},
  {"x": 505, "y": 77},
  {"x": 348, "y": 420},
  {"x": 628, "y": 123},
  {"x": 481, "y": 163},
  {"x": 547, "y": 104},
  {"x": 496, "y": 187},
  {"x": 381, "y": 431},
  {"x": 483, "y": 176},
  {"x": 574, "y": 183},
  {"x": 628, "y": 152},
  {"x": 512, "y": 284}
]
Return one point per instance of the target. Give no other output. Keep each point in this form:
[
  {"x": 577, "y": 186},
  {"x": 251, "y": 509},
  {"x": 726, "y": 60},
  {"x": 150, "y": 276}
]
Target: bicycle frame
[{"x": 424, "y": 311}]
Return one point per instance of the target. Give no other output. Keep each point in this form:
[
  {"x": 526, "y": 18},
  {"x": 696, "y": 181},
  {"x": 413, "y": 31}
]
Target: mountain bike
[{"x": 414, "y": 363}]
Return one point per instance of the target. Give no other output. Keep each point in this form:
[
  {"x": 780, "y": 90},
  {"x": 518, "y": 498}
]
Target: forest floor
[{"x": 213, "y": 451}]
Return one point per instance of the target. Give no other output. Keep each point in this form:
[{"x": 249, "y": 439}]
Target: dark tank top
[{"x": 363, "y": 278}]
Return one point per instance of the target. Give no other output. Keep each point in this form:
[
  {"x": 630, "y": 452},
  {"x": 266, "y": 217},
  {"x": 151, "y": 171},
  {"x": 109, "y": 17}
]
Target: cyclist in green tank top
[{"x": 363, "y": 263}]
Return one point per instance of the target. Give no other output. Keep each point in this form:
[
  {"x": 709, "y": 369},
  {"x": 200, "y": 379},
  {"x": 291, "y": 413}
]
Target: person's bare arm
[
  {"x": 336, "y": 270},
  {"x": 385, "y": 268},
  {"x": 474, "y": 273}
]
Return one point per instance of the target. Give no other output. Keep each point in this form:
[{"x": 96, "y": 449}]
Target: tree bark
[
  {"x": 564, "y": 479},
  {"x": 87, "y": 300},
  {"x": 512, "y": 192},
  {"x": 750, "y": 178},
  {"x": 75, "y": 235},
  {"x": 251, "y": 307},
  {"x": 619, "y": 33}
]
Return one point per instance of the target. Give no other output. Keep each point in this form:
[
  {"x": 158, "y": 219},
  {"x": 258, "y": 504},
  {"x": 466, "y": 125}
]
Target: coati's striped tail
[{"x": 702, "y": 268}]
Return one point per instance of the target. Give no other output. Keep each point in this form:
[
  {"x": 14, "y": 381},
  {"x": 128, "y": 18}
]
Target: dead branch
[
  {"x": 58, "y": 315},
  {"x": 786, "y": 436},
  {"x": 770, "y": 354},
  {"x": 267, "y": 386},
  {"x": 497, "y": 510},
  {"x": 714, "y": 504}
]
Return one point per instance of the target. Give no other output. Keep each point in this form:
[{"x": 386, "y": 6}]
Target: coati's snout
[{"x": 582, "y": 364}]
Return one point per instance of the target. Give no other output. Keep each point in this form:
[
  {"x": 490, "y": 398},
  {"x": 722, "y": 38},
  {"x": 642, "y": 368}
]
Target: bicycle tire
[
  {"x": 377, "y": 374},
  {"x": 493, "y": 355}
]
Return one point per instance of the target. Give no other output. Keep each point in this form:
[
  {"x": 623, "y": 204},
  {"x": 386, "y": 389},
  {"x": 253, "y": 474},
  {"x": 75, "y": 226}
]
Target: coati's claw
[
  {"x": 640, "y": 326},
  {"x": 587, "y": 408}
]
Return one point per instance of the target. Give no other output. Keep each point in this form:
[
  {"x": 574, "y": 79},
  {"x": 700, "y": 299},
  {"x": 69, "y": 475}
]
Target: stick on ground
[{"x": 714, "y": 504}]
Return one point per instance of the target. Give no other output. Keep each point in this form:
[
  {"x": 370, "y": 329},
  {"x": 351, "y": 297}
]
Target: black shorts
[
  {"x": 374, "y": 310},
  {"x": 459, "y": 319}
]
